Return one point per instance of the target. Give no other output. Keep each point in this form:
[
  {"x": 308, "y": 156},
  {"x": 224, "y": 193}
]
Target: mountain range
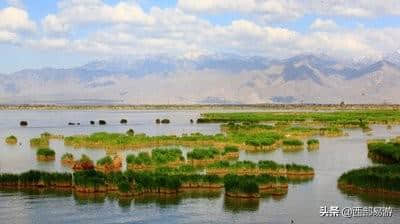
[{"x": 218, "y": 78}]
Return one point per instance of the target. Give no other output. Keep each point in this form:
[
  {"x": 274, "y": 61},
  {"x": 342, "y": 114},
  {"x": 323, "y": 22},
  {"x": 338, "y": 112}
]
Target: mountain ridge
[{"x": 220, "y": 78}]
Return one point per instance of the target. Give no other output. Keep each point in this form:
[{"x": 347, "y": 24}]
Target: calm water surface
[{"x": 301, "y": 204}]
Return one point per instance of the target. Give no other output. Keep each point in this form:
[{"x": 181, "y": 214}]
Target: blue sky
[{"x": 67, "y": 33}]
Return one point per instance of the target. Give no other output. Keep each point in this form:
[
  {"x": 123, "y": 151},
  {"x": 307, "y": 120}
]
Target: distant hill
[{"x": 219, "y": 78}]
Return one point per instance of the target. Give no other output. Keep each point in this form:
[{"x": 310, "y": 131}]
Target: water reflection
[
  {"x": 163, "y": 200},
  {"x": 37, "y": 192},
  {"x": 373, "y": 199},
  {"x": 237, "y": 205}
]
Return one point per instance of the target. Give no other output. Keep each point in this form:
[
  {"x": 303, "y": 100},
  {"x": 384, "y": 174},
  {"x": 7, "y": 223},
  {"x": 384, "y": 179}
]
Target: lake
[{"x": 302, "y": 203}]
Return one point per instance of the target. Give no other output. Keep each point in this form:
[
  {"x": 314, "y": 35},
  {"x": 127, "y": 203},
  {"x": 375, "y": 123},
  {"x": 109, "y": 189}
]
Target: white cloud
[
  {"x": 125, "y": 29},
  {"x": 49, "y": 43},
  {"x": 321, "y": 24},
  {"x": 15, "y": 19},
  {"x": 289, "y": 9},
  {"x": 187, "y": 36},
  {"x": 6, "y": 36},
  {"x": 84, "y": 12}
]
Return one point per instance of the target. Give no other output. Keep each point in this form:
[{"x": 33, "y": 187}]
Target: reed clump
[
  {"x": 108, "y": 164},
  {"x": 45, "y": 154},
  {"x": 230, "y": 152},
  {"x": 84, "y": 163},
  {"x": 291, "y": 171},
  {"x": 313, "y": 144},
  {"x": 292, "y": 144},
  {"x": 384, "y": 152},
  {"x": 131, "y": 184},
  {"x": 47, "y": 135},
  {"x": 170, "y": 157},
  {"x": 140, "y": 162},
  {"x": 68, "y": 160},
  {"x": 11, "y": 140},
  {"x": 383, "y": 179},
  {"x": 203, "y": 156},
  {"x": 38, "y": 179},
  {"x": 39, "y": 142},
  {"x": 252, "y": 187}
]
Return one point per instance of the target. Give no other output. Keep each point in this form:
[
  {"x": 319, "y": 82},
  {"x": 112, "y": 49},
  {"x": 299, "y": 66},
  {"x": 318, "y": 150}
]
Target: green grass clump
[
  {"x": 203, "y": 153},
  {"x": 312, "y": 142},
  {"x": 11, "y": 140},
  {"x": 243, "y": 165},
  {"x": 231, "y": 148},
  {"x": 114, "y": 178},
  {"x": 390, "y": 151},
  {"x": 45, "y": 135},
  {"x": 182, "y": 169},
  {"x": 156, "y": 181},
  {"x": 268, "y": 164},
  {"x": 241, "y": 184},
  {"x": 297, "y": 167},
  {"x": 89, "y": 178},
  {"x": 39, "y": 142},
  {"x": 162, "y": 156},
  {"x": 9, "y": 179},
  {"x": 67, "y": 156},
  {"x": 85, "y": 159},
  {"x": 292, "y": 142},
  {"x": 386, "y": 177},
  {"x": 124, "y": 187},
  {"x": 223, "y": 164},
  {"x": 143, "y": 158},
  {"x": 258, "y": 139},
  {"x": 45, "y": 152},
  {"x": 268, "y": 179},
  {"x": 34, "y": 178},
  {"x": 105, "y": 161}
]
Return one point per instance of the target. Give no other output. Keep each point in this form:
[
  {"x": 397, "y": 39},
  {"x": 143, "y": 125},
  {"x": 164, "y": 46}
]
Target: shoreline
[
  {"x": 351, "y": 188},
  {"x": 205, "y": 107}
]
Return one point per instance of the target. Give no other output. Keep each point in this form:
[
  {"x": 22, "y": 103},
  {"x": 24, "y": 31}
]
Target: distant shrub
[
  {"x": 130, "y": 132},
  {"x": 165, "y": 121}
]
